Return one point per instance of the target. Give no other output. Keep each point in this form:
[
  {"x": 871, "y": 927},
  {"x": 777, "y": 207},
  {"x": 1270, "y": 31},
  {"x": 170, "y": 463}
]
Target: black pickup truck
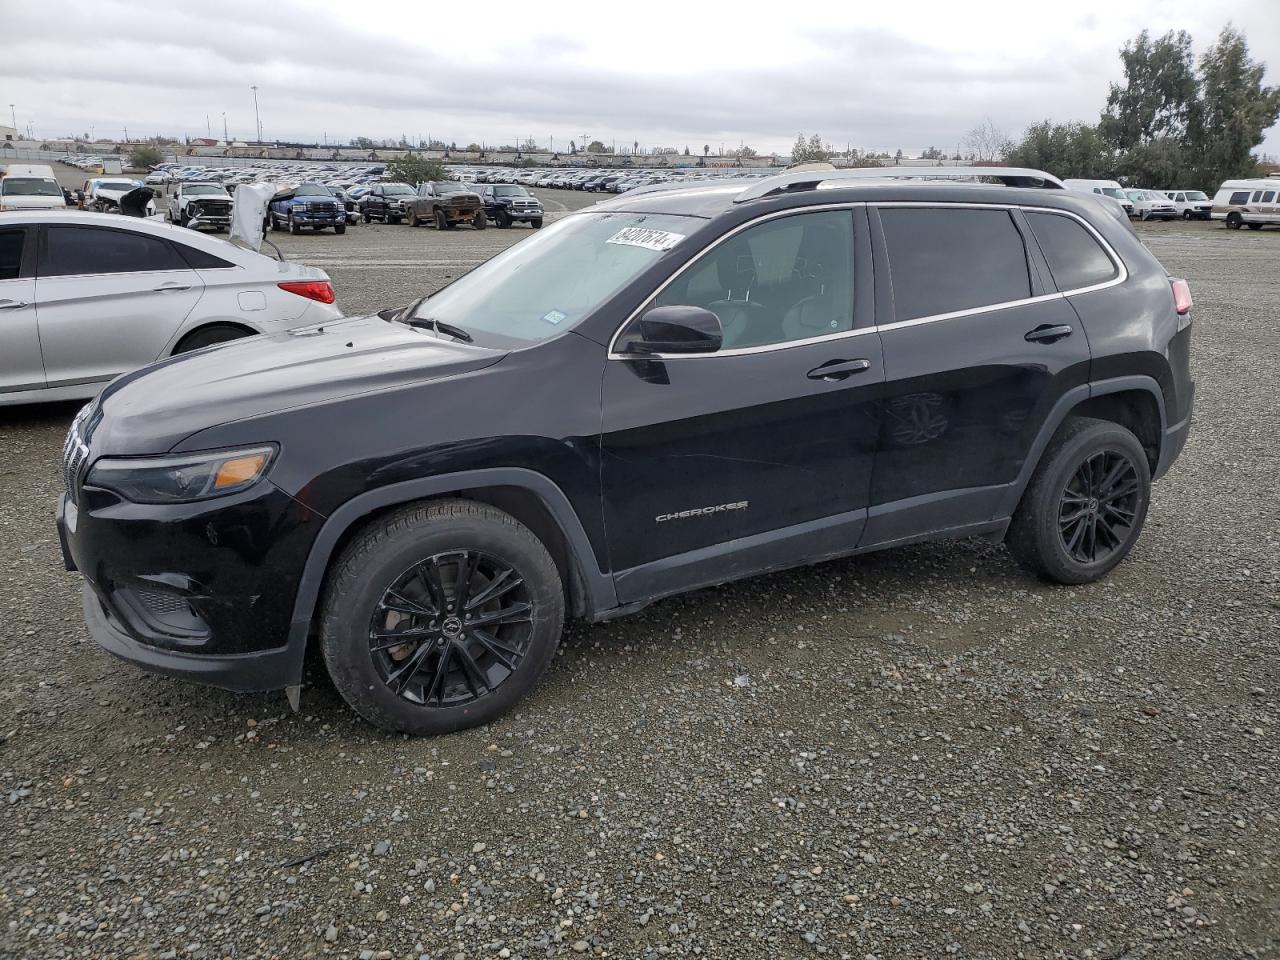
[{"x": 508, "y": 203}]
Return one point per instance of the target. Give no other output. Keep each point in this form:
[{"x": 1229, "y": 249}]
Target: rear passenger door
[
  {"x": 977, "y": 349},
  {"x": 20, "y": 365},
  {"x": 107, "y": 300}
]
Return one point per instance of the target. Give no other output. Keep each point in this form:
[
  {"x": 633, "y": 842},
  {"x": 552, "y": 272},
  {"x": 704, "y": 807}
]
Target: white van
[
  {"x": 26, "y": 186},
  {"x": 1108, "y": 188},
  {"x": 1253, "y": 202}
]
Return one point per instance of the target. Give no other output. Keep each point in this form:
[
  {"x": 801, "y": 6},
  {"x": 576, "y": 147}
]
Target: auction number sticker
[{"x": 660, "y": 240}]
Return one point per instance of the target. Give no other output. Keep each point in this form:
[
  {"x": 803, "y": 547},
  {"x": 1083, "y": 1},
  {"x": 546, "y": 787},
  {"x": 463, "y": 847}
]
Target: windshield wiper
[
  {"x": 448, "y": 329},
  {"x": 406, "y": 316}
]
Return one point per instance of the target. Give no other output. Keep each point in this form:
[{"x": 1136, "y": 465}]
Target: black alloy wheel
[
  {"x": 440, "y": 615},
  {"x": 1084, "y": 507},
  {"x": 1099, "y": 507},
  {"x": 451, "y": 629}
]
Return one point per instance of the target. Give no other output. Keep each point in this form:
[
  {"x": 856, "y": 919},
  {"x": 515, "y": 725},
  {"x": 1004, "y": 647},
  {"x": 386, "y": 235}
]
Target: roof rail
[{"x": 810, "y": 179}]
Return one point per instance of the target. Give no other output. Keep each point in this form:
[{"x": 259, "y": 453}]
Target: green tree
[
  {"x": 414, "y": 169},
  {"x": 809, "y": 151},
  {"x": 595, "y": 146},
  {"x": 474, "y": 148},
  {"x": 1158, "y": 98},
  {"x": 1235, "y": 110},
  {"x": 686, "y": 150},
  {"x": 1065, "y": 150},
  {"x": 144, "y": 157},
  {"x": 932, "y": 153}
]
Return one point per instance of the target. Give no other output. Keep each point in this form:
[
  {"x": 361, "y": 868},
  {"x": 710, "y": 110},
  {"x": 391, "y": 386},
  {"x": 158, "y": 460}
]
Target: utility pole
[
  {"x": 256, "y": 118},
  {"x": 14, "y": 115},
  {"x": 226, "y": 139}
]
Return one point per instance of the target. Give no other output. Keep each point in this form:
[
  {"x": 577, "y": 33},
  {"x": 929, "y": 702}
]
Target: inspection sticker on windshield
[
  {"x": 659, "y": 240},
  {"x": 555, "y": 316}
]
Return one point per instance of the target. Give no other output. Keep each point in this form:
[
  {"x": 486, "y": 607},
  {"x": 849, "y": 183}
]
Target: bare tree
[{"x": 987, "y": 142}]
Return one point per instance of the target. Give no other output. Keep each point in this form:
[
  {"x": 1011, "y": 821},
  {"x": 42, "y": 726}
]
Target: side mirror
[{"x": 675, "y": 329}]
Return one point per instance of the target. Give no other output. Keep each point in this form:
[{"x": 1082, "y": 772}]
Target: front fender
[{"x": 598, "y": 587}]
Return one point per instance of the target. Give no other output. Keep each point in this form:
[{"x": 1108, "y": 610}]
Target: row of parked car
[{"x": 604, "y": 180}]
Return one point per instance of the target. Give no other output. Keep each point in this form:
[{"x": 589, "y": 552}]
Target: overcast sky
[{"x": 883, "y": 76}]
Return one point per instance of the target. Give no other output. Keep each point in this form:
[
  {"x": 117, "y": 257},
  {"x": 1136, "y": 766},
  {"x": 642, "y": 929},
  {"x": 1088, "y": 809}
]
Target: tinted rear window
[
  {"x": 71, "y": 251},
  {"x": 1076, "y": 259},
  {"x": 10, "y": 254},
  {"x": 943, "y": 260},
  {"x": 199, "y": 259}
]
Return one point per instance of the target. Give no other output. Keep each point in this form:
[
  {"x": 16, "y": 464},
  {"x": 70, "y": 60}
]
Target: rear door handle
[
  {"x": 1048, "y": 333},
  {"x": 172, "y": 287},
  {"x": 12, "y": 304},
  {"x": 838, "y": 369}
]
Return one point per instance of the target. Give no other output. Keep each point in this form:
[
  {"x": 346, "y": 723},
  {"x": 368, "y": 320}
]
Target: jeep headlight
[{"x": 182, "y": 478}]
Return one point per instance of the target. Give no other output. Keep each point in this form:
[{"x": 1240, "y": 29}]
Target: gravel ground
[{"x": 919, "y": 754}]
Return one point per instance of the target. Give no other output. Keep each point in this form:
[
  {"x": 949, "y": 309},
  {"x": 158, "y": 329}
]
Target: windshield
[
  {"x": 549, "y": 282},
  {"x": 118, "y": 184},
  {"x": 1113, "y": 193},
  {"x": 397, "y": 189},
  {"x": 450, "y": 187},
  {"x": 29, "y": 187},
  {"x": 1196, "y": 195},
  {"x": 510, "y": 192},
  {"x": 201, "y": 189},
  {"x": 312, "y": 190}
]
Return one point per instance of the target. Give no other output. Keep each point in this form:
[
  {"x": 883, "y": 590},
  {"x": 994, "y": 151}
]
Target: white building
[{"x": 8, "y": 133}]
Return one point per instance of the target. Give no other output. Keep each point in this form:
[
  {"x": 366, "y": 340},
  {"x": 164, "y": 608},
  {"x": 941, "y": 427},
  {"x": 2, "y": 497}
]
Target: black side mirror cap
[{"x": 676, "y": 329}]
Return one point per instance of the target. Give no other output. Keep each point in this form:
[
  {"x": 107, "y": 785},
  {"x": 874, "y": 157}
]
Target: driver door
[{"x": 720, "y": 465}]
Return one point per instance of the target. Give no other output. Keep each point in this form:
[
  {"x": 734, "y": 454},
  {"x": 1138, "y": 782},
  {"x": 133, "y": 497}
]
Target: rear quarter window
[
  {"x": 1075, "y": 257},
  {"x": 946, "y": 260}
]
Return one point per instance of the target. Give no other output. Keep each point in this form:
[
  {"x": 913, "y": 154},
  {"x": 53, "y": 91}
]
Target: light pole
[
  {"x": 226, "y": 140},
  {"x": 14, "y": 115},
  {"x": 256, "y": 118}
]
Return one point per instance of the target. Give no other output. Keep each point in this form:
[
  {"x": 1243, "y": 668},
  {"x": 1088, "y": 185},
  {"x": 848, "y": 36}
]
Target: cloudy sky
[{"x": 883, "y": 76}]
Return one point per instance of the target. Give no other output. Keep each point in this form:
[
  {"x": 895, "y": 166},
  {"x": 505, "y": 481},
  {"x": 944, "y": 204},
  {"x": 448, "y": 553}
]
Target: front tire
[
  {"x": 340, "y": 228},
  {"x": 442, "y": 222},
  {"x": 440, "y": 616},
  {"x": 479, "y": 221},
  {"x": 295, "y": 228},
  {"x": 1234, "y": 221},
  {"x": 1084, "y": 508},
  {"x": 536, "y": 223}
]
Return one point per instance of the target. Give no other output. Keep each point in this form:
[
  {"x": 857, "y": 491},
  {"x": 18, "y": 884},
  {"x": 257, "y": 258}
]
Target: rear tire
[
  {"x": 1255, "y": 226},
  {"x": 1084, "y": 508},
  {"x": 404, "y": 574},
  {"x": 208, "y": 336}
]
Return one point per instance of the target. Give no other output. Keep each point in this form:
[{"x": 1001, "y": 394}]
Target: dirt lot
[{"x": 919, "y": 754}]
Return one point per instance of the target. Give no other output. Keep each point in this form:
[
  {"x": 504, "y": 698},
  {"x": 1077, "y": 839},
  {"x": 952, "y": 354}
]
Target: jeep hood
[{"x": 153, "y": 409}]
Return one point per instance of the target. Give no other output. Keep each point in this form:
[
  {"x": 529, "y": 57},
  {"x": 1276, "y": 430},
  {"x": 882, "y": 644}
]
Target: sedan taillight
[
  {"x": 321, "y": 290},
  {"x": 1181, "y": 295}
]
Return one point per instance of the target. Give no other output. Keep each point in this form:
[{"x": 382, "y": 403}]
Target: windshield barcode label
[{"x": 659, "y": 240}]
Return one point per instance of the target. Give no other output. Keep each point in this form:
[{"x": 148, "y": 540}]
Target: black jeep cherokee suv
[{"x": 669, "y": 390}]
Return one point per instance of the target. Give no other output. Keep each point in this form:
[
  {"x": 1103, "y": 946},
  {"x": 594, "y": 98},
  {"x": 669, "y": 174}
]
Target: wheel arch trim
[
  {"x": 1061, "y": 410},
  {"x": 597, "y": 586}
]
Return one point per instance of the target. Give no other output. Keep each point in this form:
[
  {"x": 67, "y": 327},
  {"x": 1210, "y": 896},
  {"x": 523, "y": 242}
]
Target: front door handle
[
  {"x": 172, "y": 287},
  {"x": 12, "y": 304},
  {"x": 1048, "y": 333},
  {"x": 838, "y": 369}
]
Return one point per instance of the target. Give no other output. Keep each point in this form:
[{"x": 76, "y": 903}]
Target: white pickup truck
[{"x": 198, "y": 205}]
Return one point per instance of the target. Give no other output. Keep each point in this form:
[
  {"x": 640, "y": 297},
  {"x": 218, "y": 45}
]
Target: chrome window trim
[
  {"x": 735, "y": 351},
  {"x": 1122, "y": 274}
]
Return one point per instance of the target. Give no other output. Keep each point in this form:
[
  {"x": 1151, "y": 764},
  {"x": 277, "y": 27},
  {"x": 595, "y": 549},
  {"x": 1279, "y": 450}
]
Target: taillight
[
  {"x": 1181, "y": 296},
  {"x": 321, "y": 290}
]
